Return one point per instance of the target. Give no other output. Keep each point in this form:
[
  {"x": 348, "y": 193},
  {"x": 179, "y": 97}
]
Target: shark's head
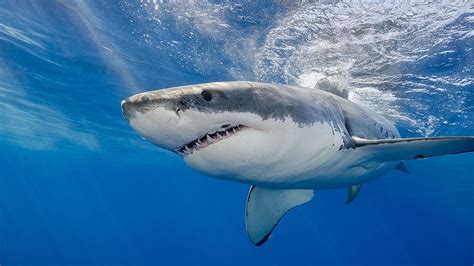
[{"x": 221, "y": 128}]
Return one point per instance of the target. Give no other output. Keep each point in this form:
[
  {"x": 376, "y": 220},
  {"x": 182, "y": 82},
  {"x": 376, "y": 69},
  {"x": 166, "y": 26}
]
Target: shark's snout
[
  {"x": 154, "y": 116},
  {"x": 125, "y": 102},
  {"x": 127, "y": 109},
  {"x": 133, "y": 104}
]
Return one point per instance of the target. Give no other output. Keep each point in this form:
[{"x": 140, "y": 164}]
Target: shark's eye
[{"x": 206, "y": 95}]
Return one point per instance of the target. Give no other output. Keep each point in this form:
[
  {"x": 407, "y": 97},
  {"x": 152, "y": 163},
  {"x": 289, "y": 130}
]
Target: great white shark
[{"x": 284, "y": 141}]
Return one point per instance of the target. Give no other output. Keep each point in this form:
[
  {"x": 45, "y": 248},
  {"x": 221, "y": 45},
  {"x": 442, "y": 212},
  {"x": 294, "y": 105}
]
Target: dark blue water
[{"x": 79, "y": 186}]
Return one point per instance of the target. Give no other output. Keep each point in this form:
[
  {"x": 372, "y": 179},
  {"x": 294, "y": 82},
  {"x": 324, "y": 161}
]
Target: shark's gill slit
[{"x": 210, "y": 138}]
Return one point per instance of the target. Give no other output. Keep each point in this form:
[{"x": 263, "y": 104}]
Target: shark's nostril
[{"x": 145, "y": 98}]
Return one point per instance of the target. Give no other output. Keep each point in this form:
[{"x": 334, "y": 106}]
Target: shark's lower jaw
[{"x": 210, "y": 138}]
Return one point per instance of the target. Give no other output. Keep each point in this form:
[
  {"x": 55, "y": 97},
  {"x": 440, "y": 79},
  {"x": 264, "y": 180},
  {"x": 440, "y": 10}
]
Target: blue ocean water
[{"x": 78, "y": 186}]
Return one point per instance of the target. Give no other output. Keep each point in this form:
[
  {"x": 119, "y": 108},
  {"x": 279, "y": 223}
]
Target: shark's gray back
[
  {"x": 364, "y": 123},
  {"x": 357, "y": 121},
  {"x": 304, "y": 106}
]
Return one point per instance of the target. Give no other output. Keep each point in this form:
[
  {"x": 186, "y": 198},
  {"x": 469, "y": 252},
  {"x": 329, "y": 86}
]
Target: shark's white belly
[{"x": 292, "y": 157}]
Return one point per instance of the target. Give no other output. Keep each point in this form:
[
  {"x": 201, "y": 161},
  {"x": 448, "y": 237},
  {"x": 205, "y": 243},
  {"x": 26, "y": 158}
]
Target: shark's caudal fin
[
  {"x": 415, "y": 148},
  {"x": 265, "y": 208}
]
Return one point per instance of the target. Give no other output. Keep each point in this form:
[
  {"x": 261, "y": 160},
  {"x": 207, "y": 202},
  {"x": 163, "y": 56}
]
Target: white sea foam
[
  {"x": 371, "y": 50},
  {"x": 378, "y": 52}
]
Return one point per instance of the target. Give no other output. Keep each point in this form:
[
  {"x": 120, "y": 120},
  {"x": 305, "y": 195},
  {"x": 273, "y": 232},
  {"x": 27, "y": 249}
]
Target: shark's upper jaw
[{"x": 210, "y": 138}]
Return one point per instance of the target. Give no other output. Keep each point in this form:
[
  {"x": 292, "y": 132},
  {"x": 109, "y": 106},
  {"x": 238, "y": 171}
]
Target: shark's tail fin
[{"x": 415, "y": 148}]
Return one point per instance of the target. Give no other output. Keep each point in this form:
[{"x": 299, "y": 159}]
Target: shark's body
[{"x": 285, "y": 141}]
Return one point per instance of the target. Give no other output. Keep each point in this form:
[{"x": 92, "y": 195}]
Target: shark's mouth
[{"x": 209, "y": 139}]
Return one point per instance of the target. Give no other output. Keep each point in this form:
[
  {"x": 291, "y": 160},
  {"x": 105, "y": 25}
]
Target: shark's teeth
[
  {"x": 187, "y": 149},
  {"x": 208, "y": 139}
]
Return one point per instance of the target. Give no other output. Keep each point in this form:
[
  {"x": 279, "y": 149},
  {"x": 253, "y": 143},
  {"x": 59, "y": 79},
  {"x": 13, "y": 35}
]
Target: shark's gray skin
[{"x": 284, "y": 141}]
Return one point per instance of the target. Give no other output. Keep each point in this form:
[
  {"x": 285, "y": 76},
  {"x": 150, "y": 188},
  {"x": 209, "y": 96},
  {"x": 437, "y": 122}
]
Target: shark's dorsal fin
[
  {"x": 332, "y": 87},
  {"x": 265, "y": 208},
  {"x": 414, "y": 148},
  {"x": 352, "y": 192}
]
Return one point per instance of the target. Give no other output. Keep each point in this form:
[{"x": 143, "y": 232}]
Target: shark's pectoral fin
[
  {"x": 352, "y": 192},
  {"x": 265, "y": 208},
  {"x": 414, "y": 148}
]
